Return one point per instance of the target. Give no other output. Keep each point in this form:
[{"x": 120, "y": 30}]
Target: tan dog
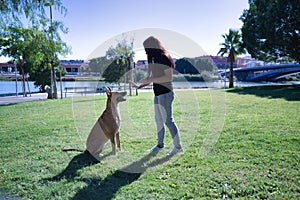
[{"x": 106, "y": 127}]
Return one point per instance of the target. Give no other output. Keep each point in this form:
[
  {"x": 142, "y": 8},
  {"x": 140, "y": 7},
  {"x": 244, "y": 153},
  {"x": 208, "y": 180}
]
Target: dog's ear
[{"x": 108, "y": 91}]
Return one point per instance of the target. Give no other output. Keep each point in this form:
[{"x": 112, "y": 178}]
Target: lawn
[{"x": 239, "y": 143}]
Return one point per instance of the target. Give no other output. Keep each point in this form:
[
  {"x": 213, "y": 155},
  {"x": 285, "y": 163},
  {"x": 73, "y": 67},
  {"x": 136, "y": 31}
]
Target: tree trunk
[
  {"x": 23, "y": 81},
  {"x": 231, "y": 76},
  {"x": 28, "y": 87},
  {"x": 231, "y": 60},
  {"x": 54, "y": 92}
]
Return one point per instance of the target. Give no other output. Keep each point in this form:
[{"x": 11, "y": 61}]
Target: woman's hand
[
  {"x": 136, "y": 85},
  {"x": 133, "y": 84}
]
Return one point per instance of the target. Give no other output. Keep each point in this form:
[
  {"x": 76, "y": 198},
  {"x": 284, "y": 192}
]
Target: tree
[
  {"x": 15, "y": 14},
  {"x": 18, "y": 43},
  {"x": 232, "y": 46},
  {"x": 122, "y": 55},
  {"x": 186, "y": 66},
  {"x": 271, "y": 31},
  {"x": 114, "y": 72},
  {"x": 122, "y": 51},
  {"x": 31, "y": 49},
  {"x": 194, "y": 66},
  {"x": 14, "y": 11},
  {"x": 98, "y": 65},
  {"x": 41, "y": 74},
  {"x": 204, "y": 64}
]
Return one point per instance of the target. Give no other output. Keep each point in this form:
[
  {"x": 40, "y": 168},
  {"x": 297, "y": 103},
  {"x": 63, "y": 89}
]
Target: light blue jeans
[{"x": 164, "y": 116}]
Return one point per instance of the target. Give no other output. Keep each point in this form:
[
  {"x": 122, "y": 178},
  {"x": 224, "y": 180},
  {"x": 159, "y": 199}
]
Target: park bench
[{"x": 84, "y": 90}]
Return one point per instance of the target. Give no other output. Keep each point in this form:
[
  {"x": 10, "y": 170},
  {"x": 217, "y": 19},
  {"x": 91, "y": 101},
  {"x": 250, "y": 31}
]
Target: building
[
  {"x": 6, "y": 68},
  {"x": 221, "y": 62},
  {"x": 72, "y": 67}
]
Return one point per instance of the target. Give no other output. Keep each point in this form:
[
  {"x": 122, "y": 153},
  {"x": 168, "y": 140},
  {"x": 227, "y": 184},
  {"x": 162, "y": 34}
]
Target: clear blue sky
[{"x": 92, "y": 22}]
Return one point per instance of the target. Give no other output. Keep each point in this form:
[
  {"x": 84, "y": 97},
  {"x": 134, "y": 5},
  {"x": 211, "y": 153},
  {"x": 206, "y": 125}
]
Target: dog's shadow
[{"x": 78, "y": 162}]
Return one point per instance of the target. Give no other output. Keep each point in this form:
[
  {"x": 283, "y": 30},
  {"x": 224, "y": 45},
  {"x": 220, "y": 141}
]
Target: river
[{"x": 9, "y": 87}]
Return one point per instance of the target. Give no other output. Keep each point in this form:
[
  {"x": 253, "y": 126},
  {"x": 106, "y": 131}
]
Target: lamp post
[
  {"x": 53, "y": 76},
  {"x": 15, "y": 65},
  {"x": 131, "y": 67}
]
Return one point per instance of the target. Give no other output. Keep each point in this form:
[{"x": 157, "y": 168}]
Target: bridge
[{"x": 264, "y": 73}]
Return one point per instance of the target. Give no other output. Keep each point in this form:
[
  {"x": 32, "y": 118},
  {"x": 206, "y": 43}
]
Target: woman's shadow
[{"x": 106, "y": 188}]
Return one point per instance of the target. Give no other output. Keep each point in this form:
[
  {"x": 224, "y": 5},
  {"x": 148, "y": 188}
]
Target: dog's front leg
[
  {"x": 118, "y": 141},
  {"x": 113, "y": 145}
]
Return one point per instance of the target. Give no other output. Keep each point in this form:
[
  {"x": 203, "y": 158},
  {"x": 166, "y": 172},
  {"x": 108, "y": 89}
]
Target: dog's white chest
[
  {"x": 118, "y": 121},
  {"x": 117, "y": 117}
]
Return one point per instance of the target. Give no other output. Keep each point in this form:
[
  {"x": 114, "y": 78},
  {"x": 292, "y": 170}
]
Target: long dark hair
[{"x": 152, "y": 46}]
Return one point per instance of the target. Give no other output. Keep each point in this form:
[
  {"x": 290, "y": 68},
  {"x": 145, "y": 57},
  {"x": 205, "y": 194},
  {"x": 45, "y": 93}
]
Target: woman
[{"x": 160, "y": 71}]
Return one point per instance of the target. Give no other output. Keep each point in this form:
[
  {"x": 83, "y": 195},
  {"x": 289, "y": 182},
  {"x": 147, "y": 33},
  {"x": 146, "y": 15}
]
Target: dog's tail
[{"x": 73, "y": 149}]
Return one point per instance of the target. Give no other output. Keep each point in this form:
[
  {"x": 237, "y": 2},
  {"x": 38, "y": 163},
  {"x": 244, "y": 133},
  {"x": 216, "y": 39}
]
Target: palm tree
[{"x": 232, "y": 46}]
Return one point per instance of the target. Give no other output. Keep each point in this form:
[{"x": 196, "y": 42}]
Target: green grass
[{"x": 239, "y": 143}]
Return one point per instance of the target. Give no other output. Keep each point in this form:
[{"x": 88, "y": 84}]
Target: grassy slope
[{"x": 256, "y": 155}]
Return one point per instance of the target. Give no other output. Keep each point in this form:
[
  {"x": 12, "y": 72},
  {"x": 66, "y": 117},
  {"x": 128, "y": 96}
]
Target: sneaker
[
  {"x": 157, "y": 148},
  {"x": 174, "y": 151}
]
